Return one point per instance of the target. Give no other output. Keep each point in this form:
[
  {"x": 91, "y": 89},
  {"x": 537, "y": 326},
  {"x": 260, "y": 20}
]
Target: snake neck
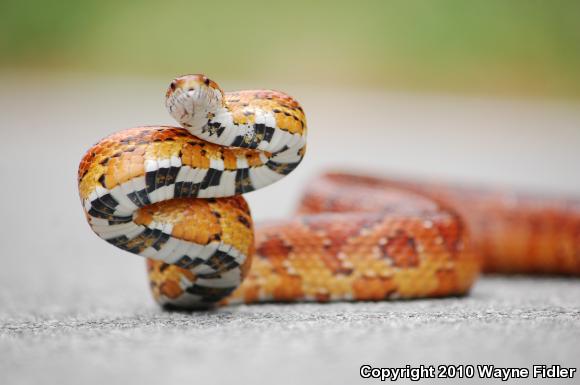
[
  {"x": 256, "y": 130},
  {"x": 268, "y": 121},
  {"x": 220, "y": 127}
]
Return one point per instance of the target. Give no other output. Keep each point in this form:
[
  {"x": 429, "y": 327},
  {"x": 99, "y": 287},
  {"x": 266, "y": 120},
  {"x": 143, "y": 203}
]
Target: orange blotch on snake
[
  {"x": 289, "y": 288},
  {"x": 401, "y": 249},
  {"x": 372, "y": 288}
]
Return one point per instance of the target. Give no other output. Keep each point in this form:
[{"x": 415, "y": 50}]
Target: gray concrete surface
[
  {"x": 121, "y": 338},
  {"x": 73, "y": 309}
]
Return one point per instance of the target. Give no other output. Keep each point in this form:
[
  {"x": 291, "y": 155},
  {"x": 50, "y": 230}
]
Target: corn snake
[{"x": 173, "y": 195}]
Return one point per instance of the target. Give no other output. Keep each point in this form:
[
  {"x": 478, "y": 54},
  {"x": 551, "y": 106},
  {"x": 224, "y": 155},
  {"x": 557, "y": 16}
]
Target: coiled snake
[{"x": 173, "y": 195}]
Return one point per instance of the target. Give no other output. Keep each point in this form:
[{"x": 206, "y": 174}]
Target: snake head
[{"x": 193, "y": 99}]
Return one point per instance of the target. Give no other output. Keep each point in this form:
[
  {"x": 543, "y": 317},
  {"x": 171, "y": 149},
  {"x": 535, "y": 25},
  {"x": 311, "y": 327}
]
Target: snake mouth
[
  {"x": 181, "y": 105},
  {"x": 187, "y": 115}
]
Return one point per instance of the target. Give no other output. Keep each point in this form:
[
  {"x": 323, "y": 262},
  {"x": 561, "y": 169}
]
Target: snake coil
[{"x": 173, "y": 195}]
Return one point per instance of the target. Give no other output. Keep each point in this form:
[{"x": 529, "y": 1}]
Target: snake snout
[
  {"x": 191, "y": 99},
  {"x": 181, "y": 107}
]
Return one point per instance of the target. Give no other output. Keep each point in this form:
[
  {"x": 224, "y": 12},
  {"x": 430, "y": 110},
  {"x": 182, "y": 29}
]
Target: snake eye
[{"x": 173, "y": 85}]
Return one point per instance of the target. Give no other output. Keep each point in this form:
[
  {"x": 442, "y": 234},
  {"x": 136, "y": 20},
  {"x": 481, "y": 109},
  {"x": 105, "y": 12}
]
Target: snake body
[{"x": 173, "y": 195}]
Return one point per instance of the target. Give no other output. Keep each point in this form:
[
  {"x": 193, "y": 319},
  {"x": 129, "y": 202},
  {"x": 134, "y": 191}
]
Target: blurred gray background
[{"x": 480, "y": 95}]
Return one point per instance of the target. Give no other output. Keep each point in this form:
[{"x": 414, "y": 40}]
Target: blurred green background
[{"x": 498, "y": 47}]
